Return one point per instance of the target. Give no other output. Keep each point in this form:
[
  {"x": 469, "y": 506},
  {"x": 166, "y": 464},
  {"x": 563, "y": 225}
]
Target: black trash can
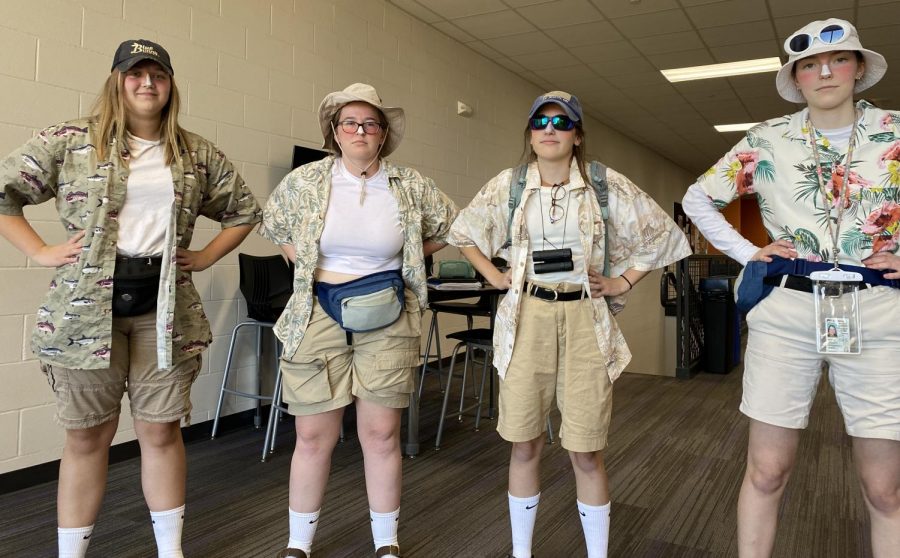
[{"x": 721, "y": 325}]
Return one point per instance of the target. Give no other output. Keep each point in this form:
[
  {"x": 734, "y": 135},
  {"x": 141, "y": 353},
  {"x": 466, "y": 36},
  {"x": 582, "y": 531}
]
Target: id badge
[{"x": 837, "y": 311}]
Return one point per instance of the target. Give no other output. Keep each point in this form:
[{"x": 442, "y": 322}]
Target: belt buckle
[{"x": 555, "y": 295}]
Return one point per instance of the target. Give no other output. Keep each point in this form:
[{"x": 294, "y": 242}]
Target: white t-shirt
[
  {"x": 545, "y": 235},
  {"x": 360, "y": 239},
  {"x": 150, "y": 193}
]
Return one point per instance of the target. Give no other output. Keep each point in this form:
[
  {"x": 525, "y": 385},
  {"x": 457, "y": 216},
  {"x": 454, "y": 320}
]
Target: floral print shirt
[
  {"x": 641, "y": 236},
  {"x": 775, "y": 162},
  {"x": 74, "y": 323},
  {"x": 295, "y": 215}
]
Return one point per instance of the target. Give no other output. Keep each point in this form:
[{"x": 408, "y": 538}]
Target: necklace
[{"x": 843, "y": 194}]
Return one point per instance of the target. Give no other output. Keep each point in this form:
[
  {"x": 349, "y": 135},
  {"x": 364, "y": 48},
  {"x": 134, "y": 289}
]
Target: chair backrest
[{"x": 266, "y": 283}]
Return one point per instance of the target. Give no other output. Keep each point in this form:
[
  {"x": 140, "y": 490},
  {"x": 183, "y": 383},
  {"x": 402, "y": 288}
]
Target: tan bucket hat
[
  {"x": 826, "y": 36},
  {"x": 361, "y": 92}
]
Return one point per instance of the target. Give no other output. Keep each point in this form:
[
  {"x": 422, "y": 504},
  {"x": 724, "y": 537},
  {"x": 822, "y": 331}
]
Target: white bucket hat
[
  {"x": 826, "y": 36},
  {"x": 365, "y": 93}
]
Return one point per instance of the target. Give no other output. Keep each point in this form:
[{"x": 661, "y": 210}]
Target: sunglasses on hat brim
[
  {"x": 831, "y": 34},
  {"x": 559, "y": 122}
]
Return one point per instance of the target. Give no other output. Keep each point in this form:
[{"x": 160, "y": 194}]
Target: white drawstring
[{"x": 362, "y": 170}]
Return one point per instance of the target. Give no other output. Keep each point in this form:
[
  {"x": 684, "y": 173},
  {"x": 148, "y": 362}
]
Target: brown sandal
[{"x": 391, "y": 549}]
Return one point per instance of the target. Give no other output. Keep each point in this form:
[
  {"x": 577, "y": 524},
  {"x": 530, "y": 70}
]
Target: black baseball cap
[{"x": 133, "y": 51}]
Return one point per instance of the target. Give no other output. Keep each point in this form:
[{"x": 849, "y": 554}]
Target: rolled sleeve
[
  {"x": 228, "y": 199},
  {"x": 438, "y": 213}
]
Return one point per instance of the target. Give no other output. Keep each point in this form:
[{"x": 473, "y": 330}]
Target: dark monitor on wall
[{"x": 304, "y": 155}]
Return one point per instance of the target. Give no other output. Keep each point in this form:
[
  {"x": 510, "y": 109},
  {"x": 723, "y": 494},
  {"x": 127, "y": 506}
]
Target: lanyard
[{"x": 834, "y": 231}]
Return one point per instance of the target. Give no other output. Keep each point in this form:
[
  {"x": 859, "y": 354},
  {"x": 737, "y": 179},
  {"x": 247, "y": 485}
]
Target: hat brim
[
  {"x": 876, "y": 67},
  {"x": 569, "y": 112},
  {"x": 334, "y": 102},
  {"x": 131, "y": 61}
]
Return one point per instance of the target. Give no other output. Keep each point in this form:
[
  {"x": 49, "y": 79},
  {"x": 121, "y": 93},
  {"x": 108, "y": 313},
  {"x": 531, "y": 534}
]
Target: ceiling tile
[
  {"x": 526, "y": 43},
  {"x": 658, "y": 23},
  {"x": 740, "y": 33},
  {"x": 745, "y": 51},
  {"x": 462, "y": 8},
  {"x": 583, "y": 34},
  {"x": 724, "y": 111},
  {"x": 732, "y": 11},
  {"x": 615, "y": 49},
  {"x": 874, "y": 16},
  {"x": 646, "y": 79},
  {"x": 484, "y": 50},
  {"x": 545, "y": 59},
  {"x": 622, "y": 67},
  {"x": 670, "y": 42},
  {"x": 452, "y": 30},
  {"x": 521, "y": 3},
  {"x": 510, "y": 65},
  {"x": 621, "y": 8},
  {"x": 817, "y": 7},
  {"x": 417, "y": 10},
  {"x": 567, "y": 73},
  {"x": 561, "y": 13},
  {"x": 698, "y": 57},
  {"x": 874, "y": 36},
  {"x": 498, "y": 24}
]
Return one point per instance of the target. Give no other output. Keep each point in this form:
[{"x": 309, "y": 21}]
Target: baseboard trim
[{"x": 47, "y": 472}]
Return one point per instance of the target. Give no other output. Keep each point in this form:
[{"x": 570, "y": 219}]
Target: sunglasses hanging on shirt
[{"x": 559, "y": 122}]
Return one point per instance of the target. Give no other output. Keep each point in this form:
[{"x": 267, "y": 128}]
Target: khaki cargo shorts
[
  {"x": 326, "y": 374},
  {"x": 87, "y": 398},
  {"x": 556, "y": 353}
]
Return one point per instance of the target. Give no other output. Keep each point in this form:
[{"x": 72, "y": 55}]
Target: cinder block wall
[{"x": 251, "y": 74}]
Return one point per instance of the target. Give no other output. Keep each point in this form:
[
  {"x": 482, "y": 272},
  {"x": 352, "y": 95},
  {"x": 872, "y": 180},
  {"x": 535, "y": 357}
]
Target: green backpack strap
[
  {"x": 601, "y": 189},
  {"x": 516, "y": 187}
]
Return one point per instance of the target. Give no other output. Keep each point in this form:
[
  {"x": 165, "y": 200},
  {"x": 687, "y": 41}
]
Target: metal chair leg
[
  {"x": 462, "y": 389},
  {"x": 428, "y": 352},
  {"x": 485, "y": 370},
  {"x": 257, "y": 418},
  {"x": 440, "y": 432},
  {"x": 215, "y": 427},
  {"x": 549, "y": 430}
]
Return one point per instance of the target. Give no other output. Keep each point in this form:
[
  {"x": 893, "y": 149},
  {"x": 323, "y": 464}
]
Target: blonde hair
[{"x": 109, "y": 112}]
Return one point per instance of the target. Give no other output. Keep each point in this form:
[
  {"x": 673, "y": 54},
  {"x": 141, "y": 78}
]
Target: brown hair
[
  {"x": 109, "y": 111},
  {"x": 579, "y": 151}
]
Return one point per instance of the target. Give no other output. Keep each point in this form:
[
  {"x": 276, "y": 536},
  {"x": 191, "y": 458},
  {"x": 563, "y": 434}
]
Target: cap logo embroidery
[{"x": 138, "y": 48}]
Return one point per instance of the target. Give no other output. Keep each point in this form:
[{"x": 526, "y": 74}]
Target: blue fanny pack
[
  {"x": 753, "y": 286},
  {"x": 365, "y": 304}
]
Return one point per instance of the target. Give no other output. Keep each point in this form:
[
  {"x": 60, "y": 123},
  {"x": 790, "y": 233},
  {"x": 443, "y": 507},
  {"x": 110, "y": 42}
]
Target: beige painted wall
[{"x": 251, "y": 73}]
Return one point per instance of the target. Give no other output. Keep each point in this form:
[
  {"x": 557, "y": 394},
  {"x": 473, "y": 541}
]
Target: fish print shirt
[
  {"x": 641, "y": 236},
  {"x": 775, "y": 162},
  {"x": 74, "y": 323},
  {"x": 295, "y": 215}
]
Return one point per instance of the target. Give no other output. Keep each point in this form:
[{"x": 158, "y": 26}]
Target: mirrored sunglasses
[{"x": 559, "y": 122}]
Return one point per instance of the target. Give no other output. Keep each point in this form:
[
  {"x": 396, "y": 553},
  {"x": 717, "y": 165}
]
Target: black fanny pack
[{"x": 135, "y": 285}]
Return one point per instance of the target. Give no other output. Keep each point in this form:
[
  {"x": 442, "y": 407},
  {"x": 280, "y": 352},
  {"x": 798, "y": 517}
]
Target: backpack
[{"x": 597, "y": 174}]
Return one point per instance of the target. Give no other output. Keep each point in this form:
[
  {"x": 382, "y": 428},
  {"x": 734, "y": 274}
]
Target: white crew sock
[
  {"x": 595, "y": 523},
  {"x": 167, "y": 529},
  {"x": 522, "y": 514},
  {"x": 303, "y": 529},
  {"x": 384, "y": 527},
  {"x": 73, "y": 542}
]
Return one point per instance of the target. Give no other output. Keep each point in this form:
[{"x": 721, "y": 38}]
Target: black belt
[
  {"x": 553, "y": 296},
  {"x": 797, "y": 282}
]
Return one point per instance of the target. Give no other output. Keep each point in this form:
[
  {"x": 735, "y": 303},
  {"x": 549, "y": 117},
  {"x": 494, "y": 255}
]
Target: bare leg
[
  {"x": 311, "y": 462},
  {"x": 82, "y": 474},
  {"x": 379, "y": 435},
  {"x": 163, "y": 467},
  {"x": 771, "y": 454},
  {"x": 878, "y": 465}
]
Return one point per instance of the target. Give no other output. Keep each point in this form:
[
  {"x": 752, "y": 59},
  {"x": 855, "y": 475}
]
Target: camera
[{"x": 548, "y": 261}]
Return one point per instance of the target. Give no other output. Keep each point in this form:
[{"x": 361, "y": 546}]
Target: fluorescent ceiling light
[
  {"x": 723, "y": 70},
  {"x": 735, "y": 127}
]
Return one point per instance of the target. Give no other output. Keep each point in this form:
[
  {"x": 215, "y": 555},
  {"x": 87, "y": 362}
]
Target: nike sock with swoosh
[
  {"x": 384, "y": 527},
  {"x": 73, "y": 542},
  {"x": 522, "y": 514},
  {"x": 595, "y": 523},
  {"x": 303, "y": 529}
]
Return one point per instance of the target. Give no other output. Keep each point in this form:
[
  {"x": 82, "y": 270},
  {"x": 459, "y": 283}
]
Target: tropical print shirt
[
  {"x": 641, "y": 236},
  {"x": 74, "y": 323},
  {"x": 295, "y": 215},
  {"x": 775, "y": 162}
]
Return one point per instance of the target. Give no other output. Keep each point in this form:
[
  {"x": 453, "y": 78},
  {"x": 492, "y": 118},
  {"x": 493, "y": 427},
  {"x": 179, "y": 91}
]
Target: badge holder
[{"x": 837, "y": 311}]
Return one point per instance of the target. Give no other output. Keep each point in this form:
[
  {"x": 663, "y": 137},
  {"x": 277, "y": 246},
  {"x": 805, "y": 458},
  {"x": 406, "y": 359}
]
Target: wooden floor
[{"x": 675, "y": 460}]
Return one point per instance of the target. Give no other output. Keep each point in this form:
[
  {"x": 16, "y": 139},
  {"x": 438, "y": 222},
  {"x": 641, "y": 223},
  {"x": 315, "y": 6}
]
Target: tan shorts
[
  {"x": 86, "y": 398},
  {"x": 556, "y": 351},
  {"x": 782, "y": 368},
  {"x": 326, "y": 374}
]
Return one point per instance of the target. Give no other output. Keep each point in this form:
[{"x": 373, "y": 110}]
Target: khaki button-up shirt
[
  {"x": 74, "y": 323},
  {"x": 295, "y": 215}
]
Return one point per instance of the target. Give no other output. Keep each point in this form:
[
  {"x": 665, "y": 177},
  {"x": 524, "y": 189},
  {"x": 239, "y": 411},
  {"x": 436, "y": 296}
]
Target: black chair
[
  {"x": 482, "y": 308},
  {"x": 266, "y": 282}
]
